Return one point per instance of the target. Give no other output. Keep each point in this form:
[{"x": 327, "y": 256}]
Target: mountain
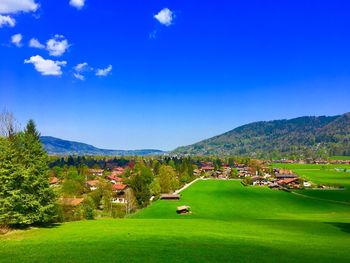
[
  {"x": 55, "y": 146},
  {"x": 295, "y": 138}
]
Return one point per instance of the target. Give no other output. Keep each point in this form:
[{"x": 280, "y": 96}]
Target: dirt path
[{"x": 186, "y": 185}]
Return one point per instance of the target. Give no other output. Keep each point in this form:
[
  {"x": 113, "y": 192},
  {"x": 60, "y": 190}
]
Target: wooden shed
[
  {"x": 170, "y": 197},
  {"x": 184, "y": 209}
]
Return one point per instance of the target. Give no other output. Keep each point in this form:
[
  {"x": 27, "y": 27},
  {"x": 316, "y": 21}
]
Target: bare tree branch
[{"x": 8, "y": 124}]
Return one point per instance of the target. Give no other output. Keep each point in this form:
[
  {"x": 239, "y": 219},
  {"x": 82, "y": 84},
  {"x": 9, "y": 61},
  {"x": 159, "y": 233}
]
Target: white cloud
[
  {"x": 46, "y": 67},
  {"x": 79, "y": 4},
  {"x": 57, "y": 45},
  {"x": 17, "y": 40},
  {"x": 104, "y": 72},
  {"x": 82, "y": 67},
  {"x": 36, "y": 44},
  {"x": 165, "y": 16},
  {"x": 7, "y": 21},
  {"x": 16, "y": 6},
  {"x": 79, "y": 76}
]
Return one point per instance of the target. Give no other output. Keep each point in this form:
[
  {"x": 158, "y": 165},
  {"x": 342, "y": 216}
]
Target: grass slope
[{"x": 230, "y": 223}]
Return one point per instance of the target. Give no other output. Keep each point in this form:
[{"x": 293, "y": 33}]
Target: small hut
[
  {"x": 170, "y": 197},
  {"x": 184, "y": 209}
]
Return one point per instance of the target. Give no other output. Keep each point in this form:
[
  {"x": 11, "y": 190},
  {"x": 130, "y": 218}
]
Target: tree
[
  {"x": 25, "y": 194},
  {"x": 155, "y": 187},
  {"x": 234, "y": 173},
  {"x": 31, "y": 129},
  {"x": 167, "y": 179},
  {"x": 8, "y": 124},
  {"x": 131, "y": 202},
  {"x": 140, "y": 183}
]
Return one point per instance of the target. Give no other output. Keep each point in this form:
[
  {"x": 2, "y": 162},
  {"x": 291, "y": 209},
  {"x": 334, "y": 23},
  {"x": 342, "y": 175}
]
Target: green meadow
[{"x": 229, "y": 223}]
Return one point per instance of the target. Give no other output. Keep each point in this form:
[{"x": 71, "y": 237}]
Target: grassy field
[
  {"x": 229, "y": 223},
  {"x": 323, "y": 174},
  {"x": 340, "y": 158}
]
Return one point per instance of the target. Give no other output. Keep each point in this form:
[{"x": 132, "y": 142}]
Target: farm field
[
  {"x": 323, "y": 174},
  {"x": 229, "y": 223}
]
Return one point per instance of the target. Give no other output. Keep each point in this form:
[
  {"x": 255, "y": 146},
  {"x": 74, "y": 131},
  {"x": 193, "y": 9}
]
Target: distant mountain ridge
[
  {"x": 56, "y": 146},
  {"x": 300, "y": 137}
]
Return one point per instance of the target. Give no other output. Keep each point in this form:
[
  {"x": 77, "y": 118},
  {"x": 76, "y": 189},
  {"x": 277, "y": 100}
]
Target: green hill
[
  {"x": 300, "y": 137},
  {"x": 55, "y": 146}
]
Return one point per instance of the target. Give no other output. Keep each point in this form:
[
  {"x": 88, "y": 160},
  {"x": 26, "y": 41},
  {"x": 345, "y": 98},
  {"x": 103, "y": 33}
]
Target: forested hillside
[{"x": 296, "y": 138}]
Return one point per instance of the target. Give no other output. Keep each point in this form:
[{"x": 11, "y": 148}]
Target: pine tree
[{"x": 25, "y": 194}]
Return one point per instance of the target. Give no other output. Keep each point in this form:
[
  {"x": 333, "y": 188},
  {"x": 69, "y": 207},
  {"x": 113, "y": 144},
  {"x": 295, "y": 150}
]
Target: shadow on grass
[
  {"x": 345, "y": 227},
  {"x": 41, "y": 225}
]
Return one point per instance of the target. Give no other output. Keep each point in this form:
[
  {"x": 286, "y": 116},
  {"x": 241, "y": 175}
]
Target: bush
[
  {"x": 118, "y": 211},
  {"x": 89, "y": 208}
]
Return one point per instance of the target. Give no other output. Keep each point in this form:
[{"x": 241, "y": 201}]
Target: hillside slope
[
  {"x": 299, "y": 137},
  {"x": 57, "y": 146}
]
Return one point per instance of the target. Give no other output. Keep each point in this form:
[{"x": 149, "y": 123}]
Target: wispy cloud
[
  {"x": 34, "y": 43},
  {"x": 165, "y": 17},
  {"x": 46, "y": 67},
  {"x": 104, "y": 72},
  {"x": 79, "y": 76},
  {"x": 79, "y": 4},
  {"x": 17, "y": 40},
  {"x": 7, "y": 21},
  {"x": 82, "y": 67},
  {"x": 57, "y": 46}
]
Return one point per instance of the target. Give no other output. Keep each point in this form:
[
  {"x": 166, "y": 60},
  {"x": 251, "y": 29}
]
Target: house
[
  {"x": 273, "y": 185},
  {"x": 71, "y": 201},
  {"x": 119, "y": 200},
  {"x": 118, "y": 171},
  {"x": 96, "y": 172},
  {"x": 258, "y": 180},
  {"x": 197, "y": 172},
  {"x": 307, "y": 184},
  {"x": 170, "y": 197},
  {"x": 93, "y": 184},
  {"x": 119, "y": 193},
  {"x": 115, "y": 179},
  {"x": 119, "y": 187},
  {"x": 285, "y": 176},
  {"x": 54, "y": 181},
  {"x": 289, "y": 182},
  {"x": 184, "y": 209},
  {"x": 207, "y": 168}
]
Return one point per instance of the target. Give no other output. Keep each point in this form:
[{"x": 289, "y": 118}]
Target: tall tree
[
  {"x": 140, "y": 183},
  {"x": 25, "y": 193},
  {"x": 167, "y": 179}
]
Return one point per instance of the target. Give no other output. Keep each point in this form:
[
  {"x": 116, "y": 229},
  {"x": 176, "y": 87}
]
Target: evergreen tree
[
  {"x": 25, "y": 194},
  {"x": 31, "y": 129}
]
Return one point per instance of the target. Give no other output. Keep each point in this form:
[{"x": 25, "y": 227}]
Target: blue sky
[{"x": 161, "y": 74}]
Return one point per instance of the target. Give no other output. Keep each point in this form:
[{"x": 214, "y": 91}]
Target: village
[{"x": 254, "y": 173}]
